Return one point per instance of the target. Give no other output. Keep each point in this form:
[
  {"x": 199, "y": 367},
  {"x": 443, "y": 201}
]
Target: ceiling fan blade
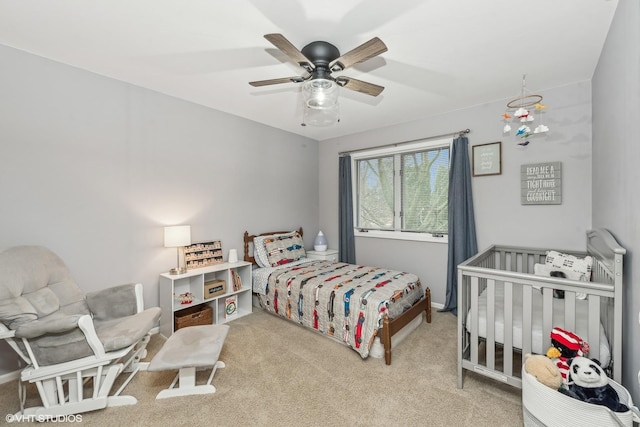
[
  {"x": 359, "y": 85},
  {"x": 373, "y": 47},
  {"x": 280, "y": 41},
  {"x": 295, "y": 79}
]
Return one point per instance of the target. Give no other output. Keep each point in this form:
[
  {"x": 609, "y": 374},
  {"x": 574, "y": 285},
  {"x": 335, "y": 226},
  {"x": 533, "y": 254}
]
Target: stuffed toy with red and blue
[{"x": 565, "y": 345}]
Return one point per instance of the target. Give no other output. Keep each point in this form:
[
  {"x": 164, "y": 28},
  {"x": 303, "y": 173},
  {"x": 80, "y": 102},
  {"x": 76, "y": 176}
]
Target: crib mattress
[{"x": 538, "y": 344}]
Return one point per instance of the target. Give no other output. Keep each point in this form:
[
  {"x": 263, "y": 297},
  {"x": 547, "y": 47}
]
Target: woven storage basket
[
  {"x": 192, "y": 316},
  {"x": 543, "y": 406}
]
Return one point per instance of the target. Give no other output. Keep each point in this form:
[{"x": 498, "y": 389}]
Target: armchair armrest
[
  {"x": 6, "y": 333},
  {"x": 37, "y": 328},
  {"x": 86, "y": 325},
  {"x": 34, "y": 329},
  {"x": 116, "y": 302}
]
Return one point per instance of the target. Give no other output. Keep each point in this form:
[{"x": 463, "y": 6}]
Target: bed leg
[
  {"x": 386, "y": 339},
  {"x": 427, "y": 309}
]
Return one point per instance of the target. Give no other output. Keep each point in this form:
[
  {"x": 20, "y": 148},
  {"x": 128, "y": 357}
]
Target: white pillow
[
  {"x": 546, "y": 270},
  {"x": 259, "y": 251},
  {"x": 566, "y": 263}
]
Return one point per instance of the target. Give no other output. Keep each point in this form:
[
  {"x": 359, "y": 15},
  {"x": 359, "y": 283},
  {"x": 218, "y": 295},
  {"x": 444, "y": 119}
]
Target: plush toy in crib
[
  {"x": 557, "y": 293},
  {"x": 543, "y": 369},
  {"x": 564, "y": 346},
  {"x": 589, "y": 383}
]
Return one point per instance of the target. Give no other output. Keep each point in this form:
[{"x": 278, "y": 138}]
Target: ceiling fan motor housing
[
  {"x": 321, "y": 92},
  {"x": 321, "y": 54}
]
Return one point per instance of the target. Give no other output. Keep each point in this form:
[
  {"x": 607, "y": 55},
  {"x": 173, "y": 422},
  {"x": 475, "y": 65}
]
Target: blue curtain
[
  {"x": 347, "y": 244},
  {"x": 462, "y": 227}
]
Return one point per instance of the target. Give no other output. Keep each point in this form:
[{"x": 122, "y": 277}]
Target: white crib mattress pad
[{"x": 536, "y": 332}]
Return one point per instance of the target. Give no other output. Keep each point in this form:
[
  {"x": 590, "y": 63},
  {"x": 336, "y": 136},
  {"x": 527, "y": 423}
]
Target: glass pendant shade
[
  {"x": 320, "y": 102},
  {"x": 320, "y": 93},
  {"x": 321, "y": 117},
  {"x": 320, "y": 243}
]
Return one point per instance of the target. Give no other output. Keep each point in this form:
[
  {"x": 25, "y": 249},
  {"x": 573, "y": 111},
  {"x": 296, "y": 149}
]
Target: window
[{"x": 402, "y": 192}]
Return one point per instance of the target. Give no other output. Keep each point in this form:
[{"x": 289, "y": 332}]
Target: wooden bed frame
[{"x": 389, "y": 326}]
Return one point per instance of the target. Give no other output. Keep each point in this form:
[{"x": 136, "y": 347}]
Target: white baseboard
[
  {"x": 10, "y": 376},
  {"x": 437, "y": 306}
]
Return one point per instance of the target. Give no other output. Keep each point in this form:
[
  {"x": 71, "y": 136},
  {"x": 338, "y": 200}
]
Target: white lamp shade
[{"x": 177, "y": 235}]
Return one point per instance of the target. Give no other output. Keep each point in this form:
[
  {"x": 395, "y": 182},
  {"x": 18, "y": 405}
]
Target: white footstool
[{"x": 186, "y": 350}]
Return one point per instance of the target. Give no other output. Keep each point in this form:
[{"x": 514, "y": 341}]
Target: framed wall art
[{"x": 487, "y": 159}]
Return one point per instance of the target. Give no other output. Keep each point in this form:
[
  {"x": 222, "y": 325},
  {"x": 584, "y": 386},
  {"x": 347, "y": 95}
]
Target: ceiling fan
[{"x": 320, "y": 59}]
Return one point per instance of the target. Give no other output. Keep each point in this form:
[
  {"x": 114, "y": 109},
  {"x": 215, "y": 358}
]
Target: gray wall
[
  {"x": 93, "y": 168},
  {"x": 616, "y": 170},
  {"x": 499, "y": 216}
]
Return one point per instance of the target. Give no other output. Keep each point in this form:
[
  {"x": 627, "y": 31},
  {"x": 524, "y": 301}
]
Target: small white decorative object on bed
[{"x": 509, "y": 310}]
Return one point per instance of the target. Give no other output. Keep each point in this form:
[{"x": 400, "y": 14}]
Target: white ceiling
[{"x": 443, "y": 55}]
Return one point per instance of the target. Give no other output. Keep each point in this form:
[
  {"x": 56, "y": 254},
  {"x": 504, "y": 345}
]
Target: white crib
[{"x": 504, "y": 310}]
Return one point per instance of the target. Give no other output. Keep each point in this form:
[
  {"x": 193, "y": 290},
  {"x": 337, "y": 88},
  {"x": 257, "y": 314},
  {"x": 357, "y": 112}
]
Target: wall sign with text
[
  {"x": 487, "y": 159},
  {"x": 541, "y": 183}
]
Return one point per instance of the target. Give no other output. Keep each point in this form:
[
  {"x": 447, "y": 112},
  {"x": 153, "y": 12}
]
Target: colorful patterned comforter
[{"x": 344, "y": 301}]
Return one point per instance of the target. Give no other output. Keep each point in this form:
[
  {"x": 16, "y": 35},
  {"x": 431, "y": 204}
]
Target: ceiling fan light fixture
[
  {"x": 321, "y": 116},
  {"x": 319, "y": 88},
  {"x": 320, "y": 94}
]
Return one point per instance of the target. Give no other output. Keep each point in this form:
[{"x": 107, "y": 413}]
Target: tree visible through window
[
  {"x": 404, "y": 191},
  {"x": 376, "y": 195},
  {"x": 425, "y": 189}
]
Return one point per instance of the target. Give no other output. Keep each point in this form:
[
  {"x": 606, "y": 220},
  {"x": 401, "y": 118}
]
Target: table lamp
[{"x": 177, "y": 236}]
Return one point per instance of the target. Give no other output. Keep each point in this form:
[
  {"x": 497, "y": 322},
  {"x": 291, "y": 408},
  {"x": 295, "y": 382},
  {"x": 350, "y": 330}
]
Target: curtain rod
[{"x": 395, "y": 144}]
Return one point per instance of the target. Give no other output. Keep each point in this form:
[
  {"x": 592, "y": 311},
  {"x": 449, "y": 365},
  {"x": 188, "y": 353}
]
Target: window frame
[{"x": 419, "y": 145}]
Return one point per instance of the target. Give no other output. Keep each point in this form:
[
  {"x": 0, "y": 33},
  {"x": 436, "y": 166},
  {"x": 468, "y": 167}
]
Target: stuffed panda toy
[{"x": 589, "y": 383}]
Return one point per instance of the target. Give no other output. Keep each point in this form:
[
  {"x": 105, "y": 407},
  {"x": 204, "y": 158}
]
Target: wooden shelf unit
[{"x": 199, "y": 255}]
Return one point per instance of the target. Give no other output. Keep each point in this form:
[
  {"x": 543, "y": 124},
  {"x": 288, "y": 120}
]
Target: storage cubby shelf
[{"x": 193, "y": 281}]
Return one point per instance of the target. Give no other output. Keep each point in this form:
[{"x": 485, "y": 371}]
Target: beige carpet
[{"x": 279, "y": 374}]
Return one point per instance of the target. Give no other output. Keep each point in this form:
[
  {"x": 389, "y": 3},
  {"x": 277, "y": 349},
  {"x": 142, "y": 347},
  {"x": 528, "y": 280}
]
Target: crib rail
[{"x": 490, "y": 348}]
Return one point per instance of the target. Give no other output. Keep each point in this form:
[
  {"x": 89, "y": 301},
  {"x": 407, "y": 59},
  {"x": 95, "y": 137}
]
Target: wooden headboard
[{"x": 248, "y": 238}]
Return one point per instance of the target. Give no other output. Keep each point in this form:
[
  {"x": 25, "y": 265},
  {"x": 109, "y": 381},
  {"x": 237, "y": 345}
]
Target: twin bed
[
  {"x": 352, "y": 304},
  {"x": 505, "y": 310}
]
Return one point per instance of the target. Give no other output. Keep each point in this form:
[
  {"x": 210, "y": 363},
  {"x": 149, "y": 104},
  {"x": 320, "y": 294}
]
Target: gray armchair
[{"x": 65, "y": 337}]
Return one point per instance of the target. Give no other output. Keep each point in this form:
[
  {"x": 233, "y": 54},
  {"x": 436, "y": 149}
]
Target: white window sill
[{"x": 399, "y": 235}]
